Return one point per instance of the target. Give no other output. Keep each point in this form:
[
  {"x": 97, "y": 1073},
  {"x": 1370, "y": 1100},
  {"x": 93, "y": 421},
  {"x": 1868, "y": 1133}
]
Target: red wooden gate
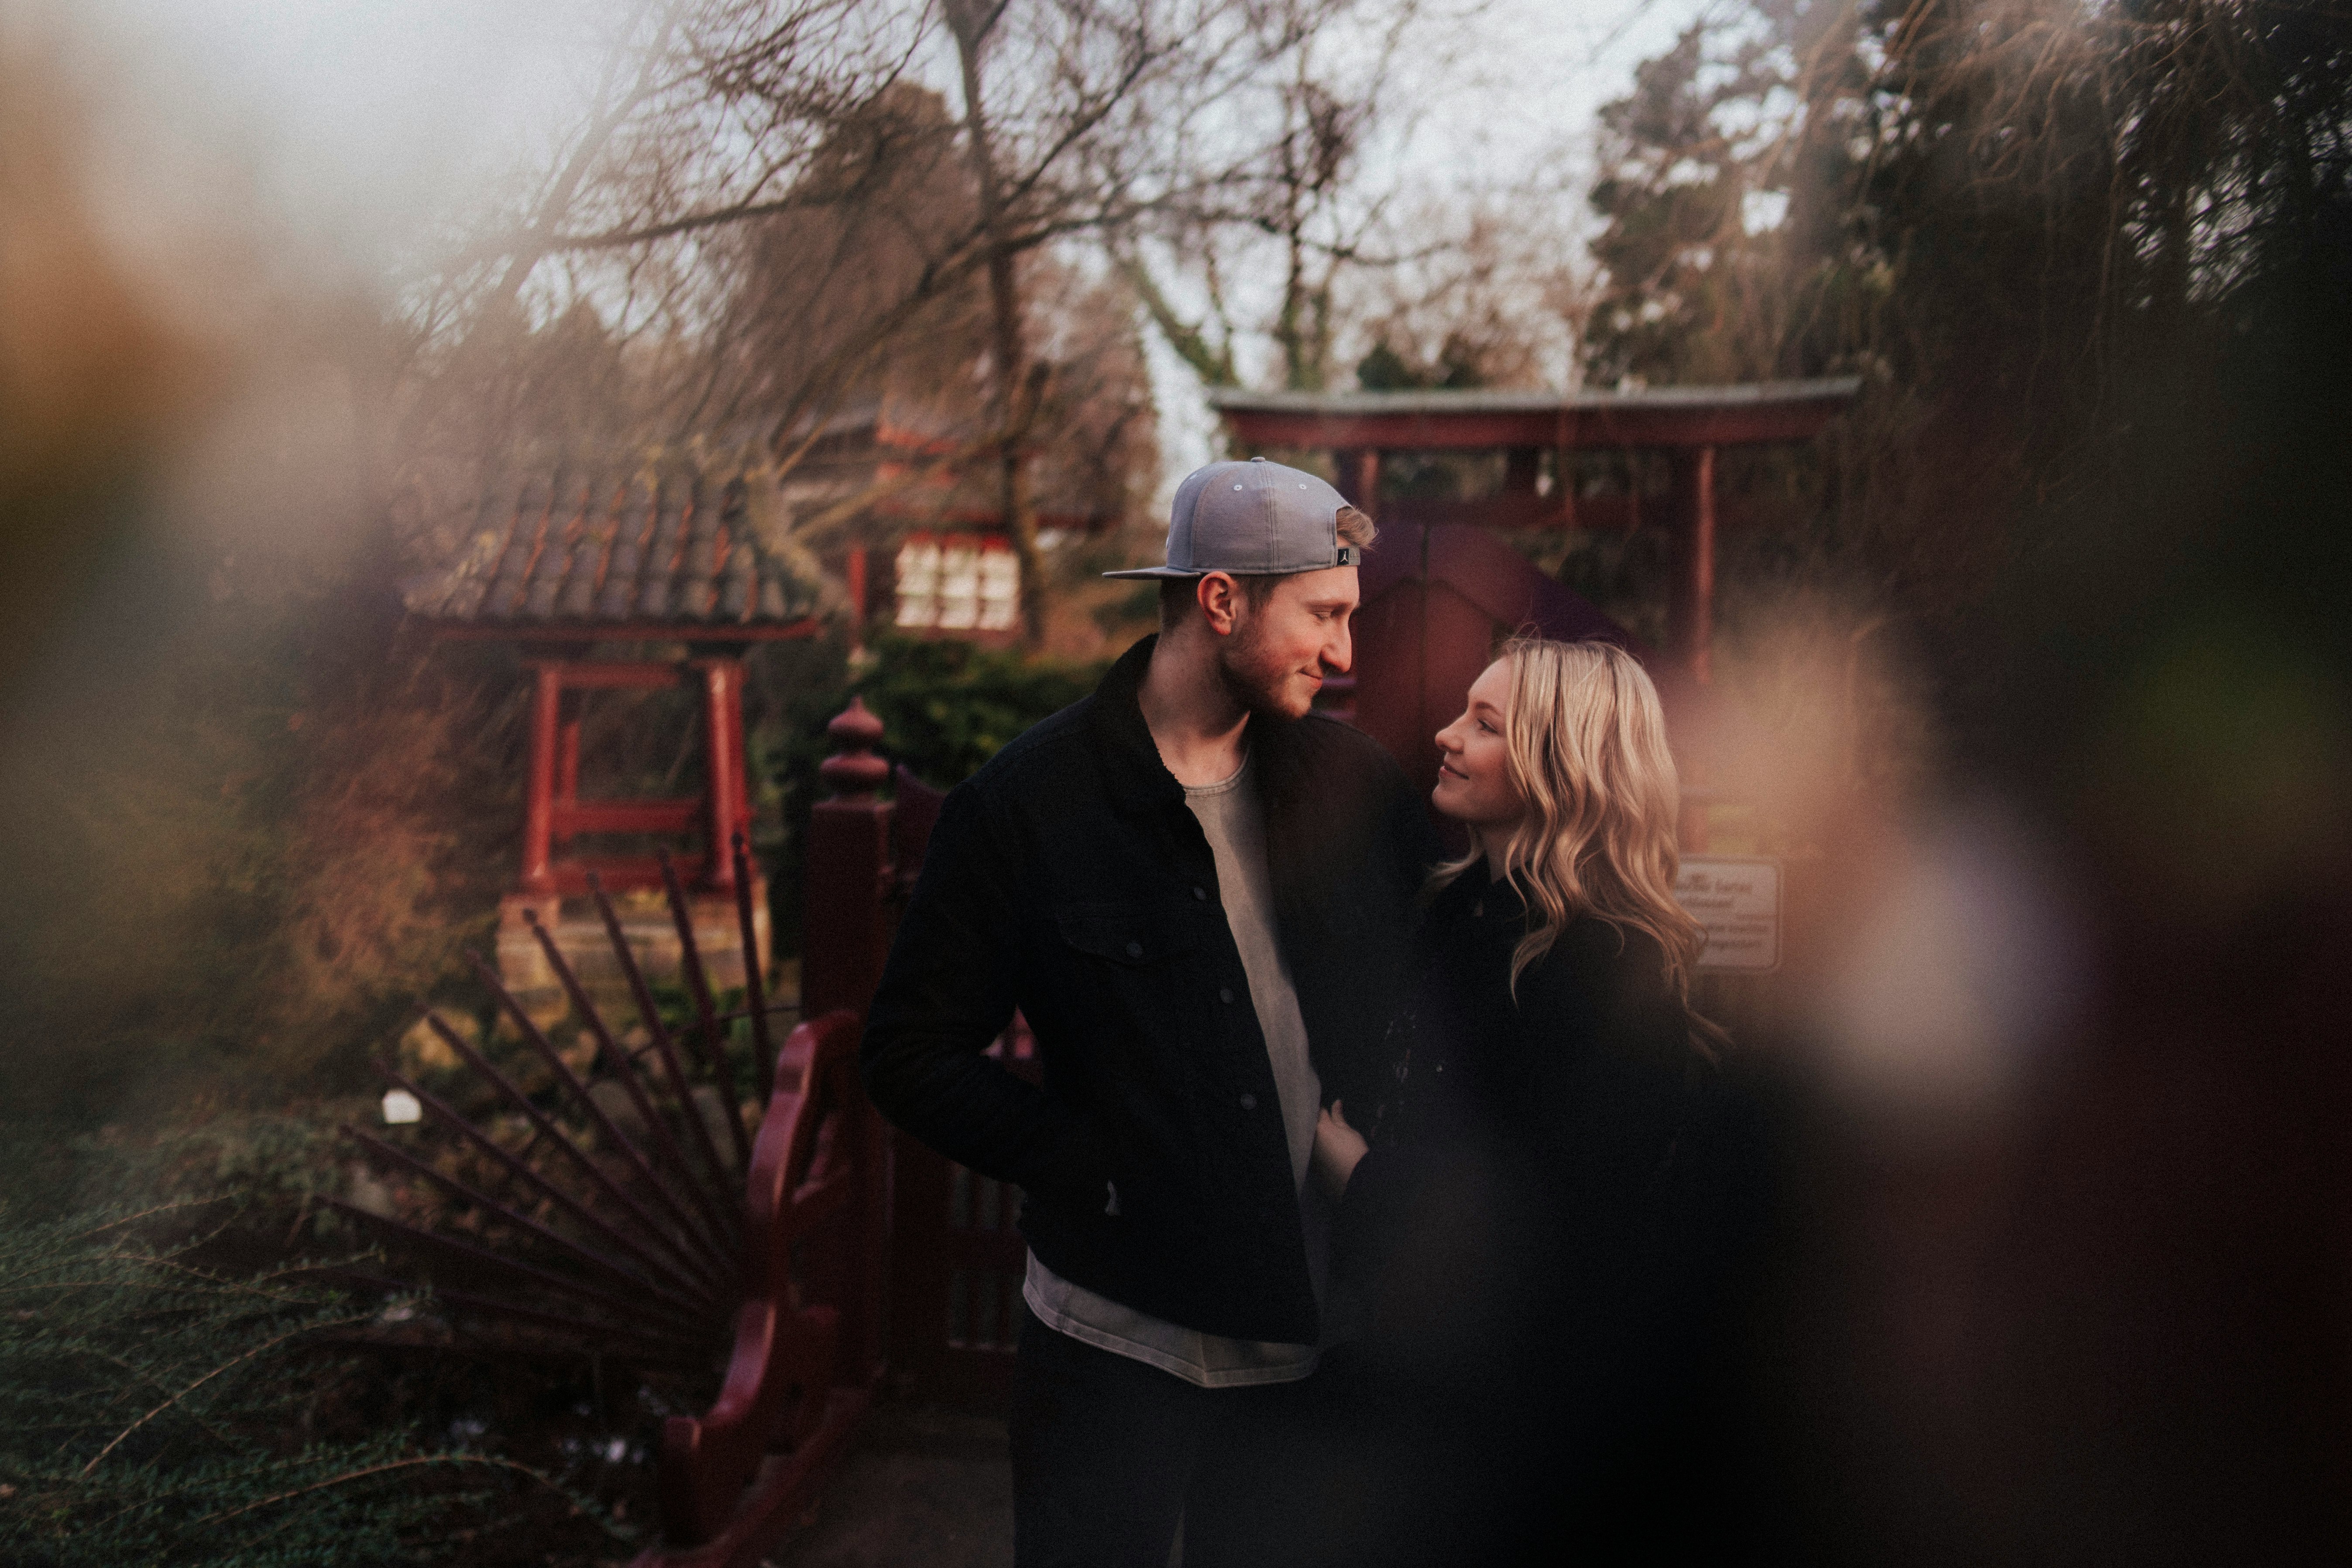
[{"x": 1436, "y": 599}]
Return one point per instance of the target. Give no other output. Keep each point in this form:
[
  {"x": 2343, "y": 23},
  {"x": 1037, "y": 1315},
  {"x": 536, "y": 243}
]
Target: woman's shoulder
[
  {"x": 1608, "y": 980},
  {"x": 1603, "y": 955}
]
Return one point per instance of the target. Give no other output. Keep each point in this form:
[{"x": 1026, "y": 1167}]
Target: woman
[{"x": 1524, "y": 1246}]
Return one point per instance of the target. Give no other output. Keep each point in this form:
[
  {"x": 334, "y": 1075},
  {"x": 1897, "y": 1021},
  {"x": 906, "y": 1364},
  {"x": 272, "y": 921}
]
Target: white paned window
[
  {"x": 958, "y": 583},
  {"x": 1000, "y": 587},
  {"x": 918, "y": 581}
]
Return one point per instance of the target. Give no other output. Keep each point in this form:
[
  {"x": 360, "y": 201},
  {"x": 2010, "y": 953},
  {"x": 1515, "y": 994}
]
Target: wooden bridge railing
[
  {"x": 809, "y": 1337},
  {"x": 901, "y": 1252},
  {"x": 735, "y": 1477},
  {"x": 644, "y": 1203}
]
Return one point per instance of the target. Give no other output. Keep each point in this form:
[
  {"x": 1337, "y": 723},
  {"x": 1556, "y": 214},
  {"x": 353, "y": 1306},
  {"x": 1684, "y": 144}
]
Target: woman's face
[{"x": 1474, "y": 781}]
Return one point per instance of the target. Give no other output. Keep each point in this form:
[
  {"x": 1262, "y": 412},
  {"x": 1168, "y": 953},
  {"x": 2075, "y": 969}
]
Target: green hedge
[{"x": 946, "y": 707}]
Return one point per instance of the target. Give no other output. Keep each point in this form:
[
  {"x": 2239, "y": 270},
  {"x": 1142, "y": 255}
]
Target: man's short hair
[{"x": 1179, "y": 596}]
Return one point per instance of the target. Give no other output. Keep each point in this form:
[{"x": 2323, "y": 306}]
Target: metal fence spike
[
  {"x": 705, "y": 1227},
  {"x": 667, "y": 1049},
  {"x": 706, "y": 1031}
]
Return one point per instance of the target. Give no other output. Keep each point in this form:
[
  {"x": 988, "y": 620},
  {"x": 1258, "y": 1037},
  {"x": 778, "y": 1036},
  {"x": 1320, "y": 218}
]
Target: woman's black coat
[{"x": 1531, "y": 1262}]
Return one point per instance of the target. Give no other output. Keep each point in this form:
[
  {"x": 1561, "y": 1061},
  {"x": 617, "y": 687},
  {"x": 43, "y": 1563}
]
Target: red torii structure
[
  {"x": 664, "y": 559},
  {"x": 1438, "y": 584}
]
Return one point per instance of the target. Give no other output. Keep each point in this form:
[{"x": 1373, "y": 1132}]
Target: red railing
[
  {"x": 733, "y": 1479},
  {"x": 849, "y": 1226},
  {"x": 956, "y": 1265},
  {"x": 808, "y": 1340}
]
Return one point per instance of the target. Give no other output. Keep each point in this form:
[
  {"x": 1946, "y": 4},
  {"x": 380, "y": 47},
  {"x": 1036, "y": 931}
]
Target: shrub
[
  {"x": 946, "y": 707},
  {"x": 150, "y": 1410}
]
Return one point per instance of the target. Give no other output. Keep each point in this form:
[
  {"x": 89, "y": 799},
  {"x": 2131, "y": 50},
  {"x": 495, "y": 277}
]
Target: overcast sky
[
  {"x": 358, "y": 121},
  {"x": 365, "y": 113}
]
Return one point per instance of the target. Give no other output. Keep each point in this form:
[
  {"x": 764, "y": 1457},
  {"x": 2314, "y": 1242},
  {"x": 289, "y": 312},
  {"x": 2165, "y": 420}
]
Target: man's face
[{"x": 1277, "y": 658}]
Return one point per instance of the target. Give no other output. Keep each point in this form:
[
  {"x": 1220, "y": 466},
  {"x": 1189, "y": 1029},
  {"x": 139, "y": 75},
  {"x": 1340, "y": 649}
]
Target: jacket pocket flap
[{"x": 1124, "y": 933}]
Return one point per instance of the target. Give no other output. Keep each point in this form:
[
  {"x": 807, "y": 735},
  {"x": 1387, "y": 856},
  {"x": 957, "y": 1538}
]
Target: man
[{"x": 1198, "y": 894}]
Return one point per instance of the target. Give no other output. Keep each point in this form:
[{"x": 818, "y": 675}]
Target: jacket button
[
  {"x": 1135, "y": 949},
  {"x": 1200, "y": 893},
  {"x": 1224, "y": 993},
  {"x": 1249, "y": 1102}
]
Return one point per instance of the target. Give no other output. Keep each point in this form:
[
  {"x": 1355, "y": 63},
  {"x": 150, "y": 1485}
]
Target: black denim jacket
[{"x": 1068, "y": 878}]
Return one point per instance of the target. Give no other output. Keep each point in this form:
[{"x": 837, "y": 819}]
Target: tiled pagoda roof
[{"x": 648, "y": 552}]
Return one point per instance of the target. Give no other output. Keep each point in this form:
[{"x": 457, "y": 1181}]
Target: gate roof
[
  {"x": 1755, "y": 412},
  {"x": 580, "y": 554}
]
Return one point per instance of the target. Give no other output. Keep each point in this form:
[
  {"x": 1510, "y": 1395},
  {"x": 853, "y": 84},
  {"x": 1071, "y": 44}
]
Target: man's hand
[{"x": 1338, "y": 1147}]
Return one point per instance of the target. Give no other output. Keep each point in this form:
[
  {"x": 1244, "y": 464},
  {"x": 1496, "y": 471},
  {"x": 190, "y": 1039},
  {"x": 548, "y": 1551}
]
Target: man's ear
[{"x": 1220, "y": 601}]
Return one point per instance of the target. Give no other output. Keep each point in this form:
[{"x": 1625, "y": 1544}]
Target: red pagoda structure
[
  {"x": 1440, "y": 585},
  {"x": 651, "y": 578}
]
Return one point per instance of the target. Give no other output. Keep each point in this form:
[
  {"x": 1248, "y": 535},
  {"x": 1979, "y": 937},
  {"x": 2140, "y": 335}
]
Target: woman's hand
[{"x": 1338, "y": 1147}]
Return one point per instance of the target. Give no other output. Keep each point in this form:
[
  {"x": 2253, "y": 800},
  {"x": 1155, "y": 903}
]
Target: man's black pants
[{"x": 1108, "y": 1453}]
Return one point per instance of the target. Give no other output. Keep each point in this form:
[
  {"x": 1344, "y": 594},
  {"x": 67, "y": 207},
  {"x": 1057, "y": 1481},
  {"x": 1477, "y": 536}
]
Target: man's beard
[{"x": 1253, "y": 680}]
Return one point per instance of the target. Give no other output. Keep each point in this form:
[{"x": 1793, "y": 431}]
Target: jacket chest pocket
[{"x": 1130, "y": 937}]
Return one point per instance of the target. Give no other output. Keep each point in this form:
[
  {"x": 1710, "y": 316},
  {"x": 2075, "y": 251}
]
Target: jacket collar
[{"x": 1138, "y": 779}]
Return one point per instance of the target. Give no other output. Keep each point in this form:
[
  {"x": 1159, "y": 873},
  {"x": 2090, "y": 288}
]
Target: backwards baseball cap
[{"x": 1253, "y": 519}]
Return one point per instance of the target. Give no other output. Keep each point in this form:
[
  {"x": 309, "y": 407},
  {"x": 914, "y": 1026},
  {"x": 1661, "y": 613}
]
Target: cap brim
[{"x": 1157, "y": 572}]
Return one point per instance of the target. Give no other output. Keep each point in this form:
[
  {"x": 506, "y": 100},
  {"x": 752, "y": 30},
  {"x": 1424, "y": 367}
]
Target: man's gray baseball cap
[{"x": 1254, "y": 520}]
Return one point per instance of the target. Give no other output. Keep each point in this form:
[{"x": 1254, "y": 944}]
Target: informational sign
[{"x": 1738, "y": 901}]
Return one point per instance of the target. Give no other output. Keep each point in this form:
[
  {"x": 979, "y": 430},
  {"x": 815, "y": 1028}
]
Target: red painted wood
[
  {"x": 567, "y": 756},
  {"x": 556, "y": 816},
  {"x": 1610, "y": 512},
  {"x": 723, "y": 757},
  {"x": 576, "y": 816},
  {"x": 614, "y": 675},
  {"x": 781, "y": 1389},
  {"x": 739, "y": 775},
  {"x": 918, "y": 1266},
  {"x": 957, "y": 1263},
  {"x": 846, "y": 932},
  {"x": 619, "y": 873},
  {"x": 538, "y": 787},
  {"x": 1734, "y": 420},
  {"x": 1388, "y": 699},
  {"x": 718, "y": 632},
  {"x": 1512, "y": 591},
  {"x": 1690, "y": 612},
  {"x": 1436, "y": 601},
  {"x": 987, "y": 1259},
  {"x": 850, "y": 909}
]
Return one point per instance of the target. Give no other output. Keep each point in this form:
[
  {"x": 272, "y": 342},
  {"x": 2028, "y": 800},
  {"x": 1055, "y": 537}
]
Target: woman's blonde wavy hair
[{"x": 1586, "y": 748}]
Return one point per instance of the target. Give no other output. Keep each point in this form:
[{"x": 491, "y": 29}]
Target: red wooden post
[
  {"x": 567, "y": 759},
  {"x": 1360, "y": 479},
  {"x": 844, "y": 945},
  {"x": 1690, "y": 615},
  {"x": 857, "y": 595},
  {"x": 538, "y": 801},
  {"x": 844, "y": 937},
  {"x": 741, "y": 779},
  {"x": 722, "y": 739}
]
